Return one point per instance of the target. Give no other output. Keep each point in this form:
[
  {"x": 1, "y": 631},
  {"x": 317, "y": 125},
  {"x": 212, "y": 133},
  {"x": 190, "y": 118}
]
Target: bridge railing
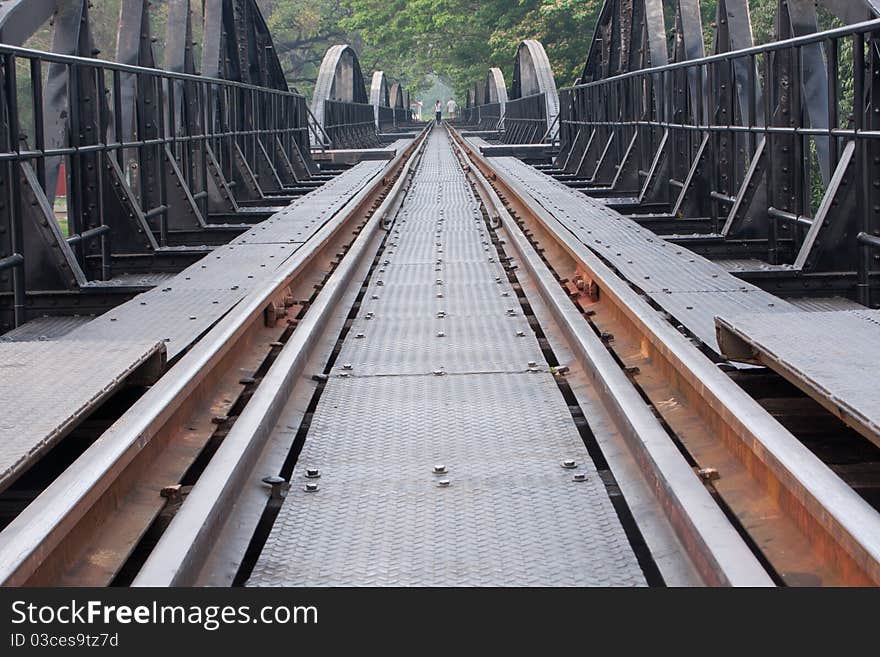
[
  {"x": 778, "y": 144},
  {"x": 79, "y": 188},
  {"x": 350, "y": 125},
  {"x": 401, "y": 116},
  {"x": 489, "y": 116},
  {"x": 525, "y": 120},
  {"x": 386, "y": 118}
]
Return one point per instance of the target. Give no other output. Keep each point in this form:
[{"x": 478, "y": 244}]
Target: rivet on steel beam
[
  {"x": 580, "y": 476},
  {"x": 171, "y": 493},
  {"x": 346, "y": 366},
  {"x": 708, "y": 474},
  {"x": 311, "y": 487},
  {"x": 441, "y": 334},
  {"x": 313, "y": 473},
  {"x": 520, "y": 334},
  {"x": 439, "y": 372},
  {"x": 569, "y": 464},
  {"x": 360, "y": 336},
  {"x": 443, "y": 483},
  {"x": 440, "y": 468}
]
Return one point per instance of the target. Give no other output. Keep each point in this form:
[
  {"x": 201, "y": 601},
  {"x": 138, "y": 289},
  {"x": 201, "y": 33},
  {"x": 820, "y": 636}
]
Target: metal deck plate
[
  {"x": 511, "y": 514},
  {"x": 45, "y": 328},
  {"x": 67, "y": 376},
  {"x": 831, "y": 356},
  {"x": 183, "y": 308},
  {"x": 46, "y": 388},
  {"x": 176, "y": 317},
  {"x": 687, "y": 286}
]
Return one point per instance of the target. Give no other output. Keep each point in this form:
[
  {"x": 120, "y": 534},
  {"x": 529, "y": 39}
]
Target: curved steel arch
[
  {"x": 495, "y": 89},
  {"x": 19, "y": 19},
  {"x": 379, "y": 94},
  {"x": 339, "y": 78},
  {"x": 379, "y": 97},
  {"x": 533, "y": 75},
  {"x": 396, "y": 96}
]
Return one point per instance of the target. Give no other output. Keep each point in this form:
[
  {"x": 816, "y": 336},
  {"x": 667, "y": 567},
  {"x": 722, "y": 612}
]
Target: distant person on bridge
[
  {"x": 438, "y": 112},
  {"x": 451, "y": 108}
]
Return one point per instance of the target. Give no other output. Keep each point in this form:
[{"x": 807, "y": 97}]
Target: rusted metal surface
[
  {"x": 712, "y": 544},
  {"x": 819, "y": 518},
  {"x": 183, "y": 549},
  {"x": 47, "y": 540}
]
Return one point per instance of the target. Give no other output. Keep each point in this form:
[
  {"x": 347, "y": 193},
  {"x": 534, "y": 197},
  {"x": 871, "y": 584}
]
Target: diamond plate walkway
[
  {"x": 689, "y": 287},
  {"x": 436, "y": 370},
  {"x": 66, "y": 371}
]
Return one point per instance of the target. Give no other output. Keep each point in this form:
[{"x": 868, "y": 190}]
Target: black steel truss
[{"x": 156, "y": 165}]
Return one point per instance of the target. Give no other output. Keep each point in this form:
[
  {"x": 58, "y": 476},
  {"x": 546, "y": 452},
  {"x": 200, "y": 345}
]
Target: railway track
[{"x": 535, "y": 419}]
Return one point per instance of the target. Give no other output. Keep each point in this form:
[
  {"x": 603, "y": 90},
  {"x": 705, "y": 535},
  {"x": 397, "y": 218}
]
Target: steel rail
[
  {"x": 71, "y": 506},
  {"x": 838, "y": 527},
  {"x": 180, "y": 553},
  {"x": 719, "y": 553}
]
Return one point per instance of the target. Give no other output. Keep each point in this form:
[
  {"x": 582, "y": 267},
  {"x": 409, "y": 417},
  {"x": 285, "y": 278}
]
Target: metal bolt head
[
  {"x": 532, "y": 363},
  {"x": 443, "y": 483},
  {"x": 580, "y": 476},
  {"x": 346, "y": 366},
  {"x": 569, "y": 464},
  {"x": 312, "y": 473},
  {"x": 439, "y": 372},
  {"x": 440, "y": 468},
  {"x": 360, "y": 336},
  {"x": 520, "y": 334},
  {"x": 708, "y": 474},
  {"x": 374, "y": 297},
  {"x": 441, "y": 334},
  {"x": 311, "y": 487},
  {"x": 380, "y": 283}
]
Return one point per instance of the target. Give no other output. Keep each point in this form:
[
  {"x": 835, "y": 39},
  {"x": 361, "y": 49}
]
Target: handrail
[
  {"x": 30, "y": 53},
  {"x": 794, "y": 42}
]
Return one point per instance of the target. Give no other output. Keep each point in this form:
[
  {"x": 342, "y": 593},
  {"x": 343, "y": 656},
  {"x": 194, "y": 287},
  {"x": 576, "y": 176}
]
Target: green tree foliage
[{"x": 460, "y": 39}]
